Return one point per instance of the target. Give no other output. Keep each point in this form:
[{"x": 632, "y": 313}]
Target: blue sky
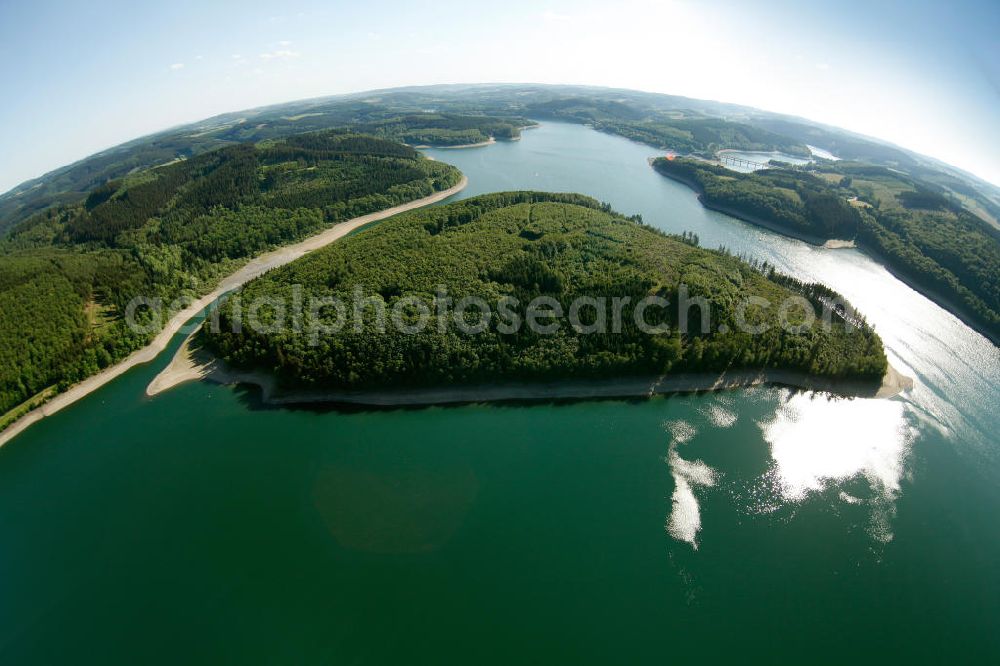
[{"x": 80, "y": 77}]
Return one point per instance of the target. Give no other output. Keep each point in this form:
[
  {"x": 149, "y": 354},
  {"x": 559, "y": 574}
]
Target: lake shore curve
[
  {"x": 253, "y": 268},
  {"x": 192, "y": 363}
]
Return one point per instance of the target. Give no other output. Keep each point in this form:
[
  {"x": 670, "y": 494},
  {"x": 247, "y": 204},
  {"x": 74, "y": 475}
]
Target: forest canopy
[
  {"x": 922, "y": 234},
  {"x": 67, "y": 274},
  {"x": 523, "y": 245}
]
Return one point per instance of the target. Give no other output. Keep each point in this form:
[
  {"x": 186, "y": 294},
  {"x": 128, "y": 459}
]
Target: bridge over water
[{"x": 732, "y": 160}]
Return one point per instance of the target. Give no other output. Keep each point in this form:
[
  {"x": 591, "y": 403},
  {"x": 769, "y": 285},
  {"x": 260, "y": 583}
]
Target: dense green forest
[
  {"x": 67, "y": 275},
  {"x": 702, "y": 136},
  {"x": 681, "y": 124},
  {"x": 796, "y": 200},
  {"x": 170, "y": 213},
  {"x": 923, "y": 234},
  {"x": 436, "y": 129},
  {"x": 521, "y": 245},
  {"x": 72, "y": 184}
]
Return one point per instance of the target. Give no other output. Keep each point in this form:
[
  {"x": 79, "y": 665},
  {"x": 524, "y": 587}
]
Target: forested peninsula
[
  {"x": 68, "y": 275},
  {"x": 682, "y": 131},
  {"x": 521, "y": 246},
  {"x": 922, "y": 235},
  {"x": 169, "y": 214}
]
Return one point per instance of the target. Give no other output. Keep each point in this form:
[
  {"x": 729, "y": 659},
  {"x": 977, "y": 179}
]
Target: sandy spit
[
  {"x": 839, "y": 244},
  {"x": 191, "y": 363},
  {"x": 488, "y": 142}
]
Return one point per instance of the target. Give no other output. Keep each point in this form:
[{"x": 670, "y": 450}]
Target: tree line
[
  {"x": 522, "y": 245},
  {"x": 920, "y": 233},
  {"x": 67, "y": 274}
]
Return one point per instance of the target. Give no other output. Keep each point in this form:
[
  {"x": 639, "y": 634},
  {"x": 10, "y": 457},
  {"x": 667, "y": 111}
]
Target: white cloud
[
  {"x": 177, "y": 65},
  {"x": 284, "y": 43},
  {"x": 549, "y": 15},
  {"x": 279, "y": 54}
]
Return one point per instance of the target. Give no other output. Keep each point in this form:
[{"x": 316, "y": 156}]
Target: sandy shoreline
[
  {"x": 481, "y": 144},
  {"x": 193, "y": 364},
  {"x": 260, "y": 264},
  {"x": 840, "y": 244},
  {"x": 488, "y": 142}
]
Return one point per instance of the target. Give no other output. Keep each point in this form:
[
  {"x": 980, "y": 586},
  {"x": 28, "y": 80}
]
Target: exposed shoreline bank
[
  {"x": 191, "y": 363},
  {"x": 489, "y": 142},
  {"x": 253, "y": 268},
  {"x": 753, "y": 219},
  {"x": 481, "y": 144},
  {"x": 818, "y": 241}
]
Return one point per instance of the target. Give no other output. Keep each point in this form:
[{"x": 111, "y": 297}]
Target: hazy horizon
[{"x": 903, "y": 77}]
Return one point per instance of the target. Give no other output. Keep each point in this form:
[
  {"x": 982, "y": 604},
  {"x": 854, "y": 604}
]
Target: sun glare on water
[
  {"x": 816, "y": 443},
  {"x": 816, "y": 440}
]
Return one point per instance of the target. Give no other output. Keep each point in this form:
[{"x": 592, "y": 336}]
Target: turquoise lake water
[{"x": 753, "y": 526}]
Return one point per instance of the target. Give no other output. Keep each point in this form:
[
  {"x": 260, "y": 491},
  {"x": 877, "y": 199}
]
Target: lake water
[{"x": 756, "y": 526}]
